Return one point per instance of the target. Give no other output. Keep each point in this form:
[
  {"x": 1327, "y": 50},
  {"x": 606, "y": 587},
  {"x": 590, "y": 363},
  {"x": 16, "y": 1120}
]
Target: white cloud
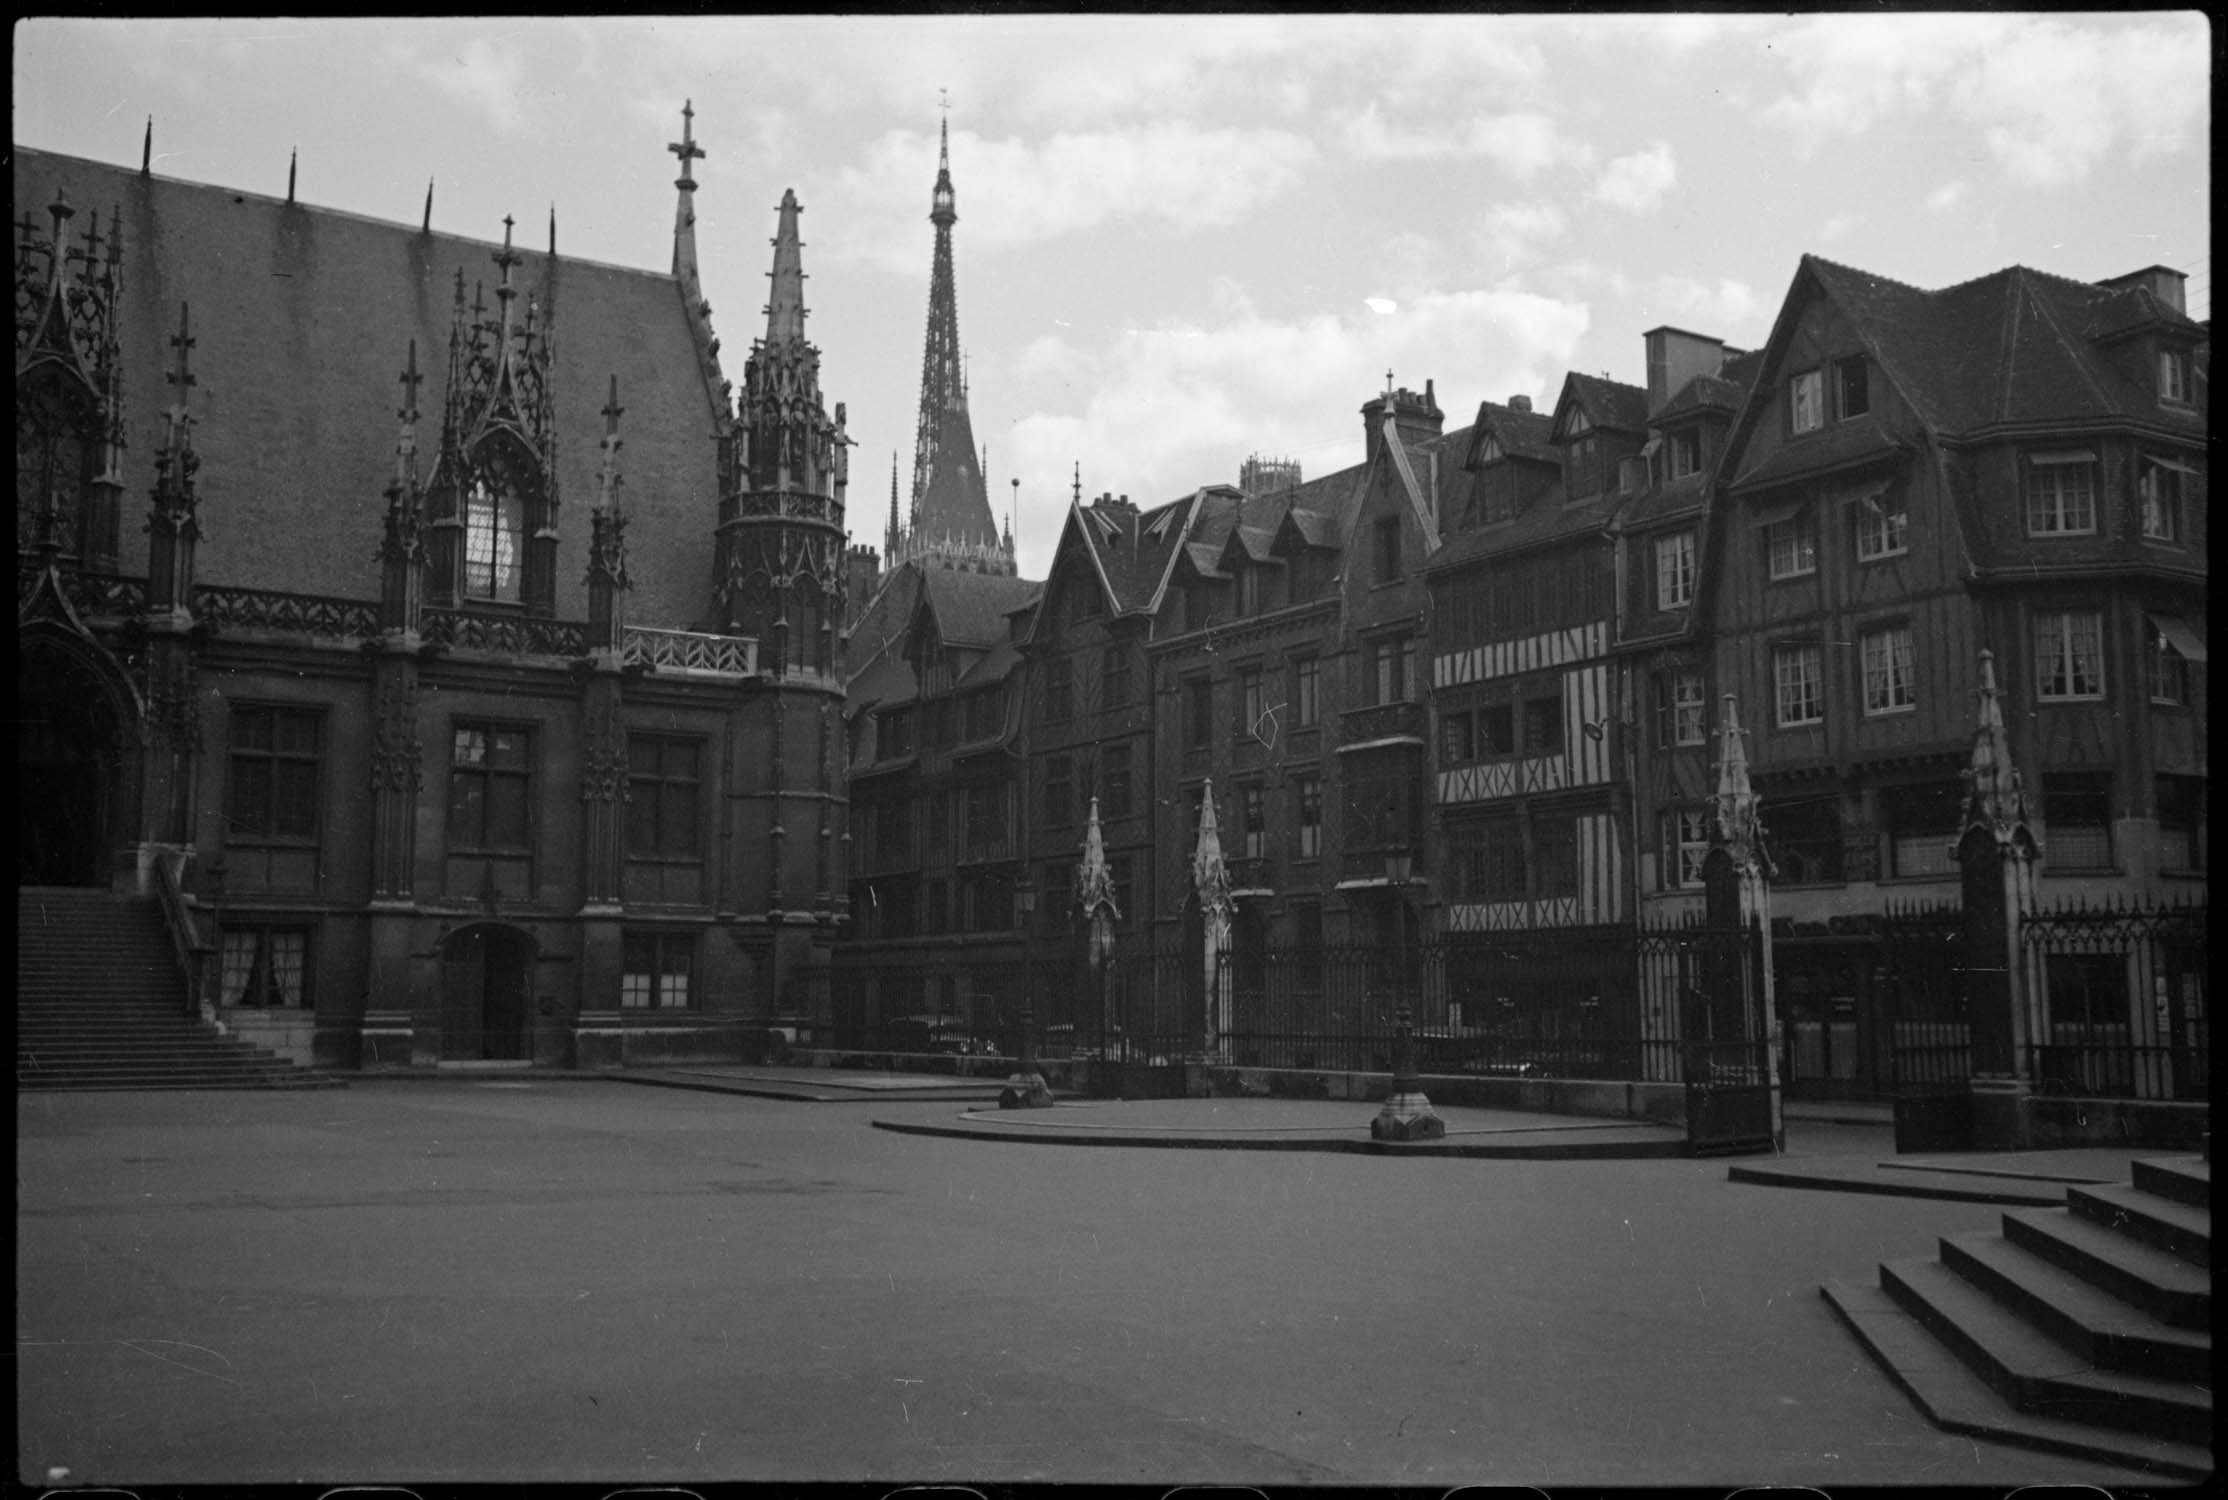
[
  {"x": 1724, "y": 305},
  {"x": 1637, "y": 183},
  {"x": 1181, "y": 404},
  {"x": 1521, "y": 144},
  {"x": 1838, "y": 225},
  {"x": 1947, "y": 196},
  {"x": 1518, "y": 233},
  {"x": 481, "y": 74},
  {"x": 2051, "y": 98},
  {"x": 1015, "y": 192}
]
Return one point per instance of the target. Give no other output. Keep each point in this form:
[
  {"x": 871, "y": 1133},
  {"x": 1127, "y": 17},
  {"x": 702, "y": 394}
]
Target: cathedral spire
[
  {"x": 785, "y": 309},
  {"x": 172, "y": 526},
  {"x": 894, "y": 532},
  {"x": 952, "y": 523}
]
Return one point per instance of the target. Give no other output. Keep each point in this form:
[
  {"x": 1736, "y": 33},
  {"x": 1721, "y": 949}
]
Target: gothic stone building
[{"x": 458, "y": 749}]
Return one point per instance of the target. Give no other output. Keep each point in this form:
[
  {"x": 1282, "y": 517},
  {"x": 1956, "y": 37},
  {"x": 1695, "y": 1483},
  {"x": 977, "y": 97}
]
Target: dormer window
[
  {"x": 1684, "y": 452},
  {"x": 1806, "y": 401},
  {"x": 1852, "y": 393},
  {"x": 1585, "y": 467},
  {"x": 2173, "y": 375},
  {"x": 494, "y": 535}
]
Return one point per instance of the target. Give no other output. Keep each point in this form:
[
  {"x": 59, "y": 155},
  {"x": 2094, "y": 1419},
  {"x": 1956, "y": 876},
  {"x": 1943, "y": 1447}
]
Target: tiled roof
[
  {"x": 1669, "y": 501},
  {"x": 881, "y": 626},
  {"x": 1703, "y": 393},
  {"x": 1838, "y": 447},
  {"x": 971, "y": 608},
  {"x": 994, "y": 665},
  {"x": 1522, "y": 434},
  {"x": 1610, "y": 403},
  {"x": 303, "y": 317}
]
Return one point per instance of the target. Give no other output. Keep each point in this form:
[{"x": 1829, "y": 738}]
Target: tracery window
[{"x": 494, "y": 536}]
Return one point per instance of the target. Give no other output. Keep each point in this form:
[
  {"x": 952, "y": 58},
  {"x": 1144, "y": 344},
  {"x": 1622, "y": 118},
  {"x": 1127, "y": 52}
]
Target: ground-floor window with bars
[
  {"x": 657, "y": 971},
  {"x": 266, "y": 966}
]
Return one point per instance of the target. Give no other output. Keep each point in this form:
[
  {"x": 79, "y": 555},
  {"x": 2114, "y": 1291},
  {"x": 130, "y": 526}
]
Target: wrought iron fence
[
  {"x": 2119, "y": 1001},
  {"x": 1921, "y": 969}
]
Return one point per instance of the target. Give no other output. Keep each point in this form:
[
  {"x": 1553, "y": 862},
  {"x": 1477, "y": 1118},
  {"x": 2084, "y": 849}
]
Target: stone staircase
[
  {"x": 100, "y": 1004},
  {"x": 2084, "y": 1330}
]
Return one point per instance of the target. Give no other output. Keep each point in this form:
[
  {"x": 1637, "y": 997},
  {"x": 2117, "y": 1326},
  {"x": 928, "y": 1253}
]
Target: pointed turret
[
  {"x": 1738, "y": 829},
  {"x": 1995, "y": 796},
  {"x": 894, "y": 532},
  {"x": 403, "y": 548},
  {"x": 785, "y": 307},
  {"x": 684, "y": 212},
  {"x": 607, "y": 548},
  {"x": 173, "y": 526},
  {"x": 1208, "y": 877}
]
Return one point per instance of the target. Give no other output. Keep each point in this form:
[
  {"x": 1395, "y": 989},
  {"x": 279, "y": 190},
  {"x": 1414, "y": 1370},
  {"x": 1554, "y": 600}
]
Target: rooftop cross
[{"x": 686, "y": 148}]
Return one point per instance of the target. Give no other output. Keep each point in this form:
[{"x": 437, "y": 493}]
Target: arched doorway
[
  {"x": 71, "y": 757},
  {"x": 485, "y": 974}
]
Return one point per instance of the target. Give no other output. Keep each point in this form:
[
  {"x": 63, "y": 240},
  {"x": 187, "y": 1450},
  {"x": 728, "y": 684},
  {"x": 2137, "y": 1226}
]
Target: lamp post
[
  {"x": 1026, "y": 1088},
  {"x": 1407, "y": 1114}
]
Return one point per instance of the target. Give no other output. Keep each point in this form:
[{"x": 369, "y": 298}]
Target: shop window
[
  {"x": 1804, "y": 838},
  {"x": 1922, "y": 827}
]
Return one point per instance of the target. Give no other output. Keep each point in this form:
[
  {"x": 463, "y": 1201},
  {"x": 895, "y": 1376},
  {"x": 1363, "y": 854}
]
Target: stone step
[
  {"x": 1956, "y": 1399},
  {"x": 2033, "y": 1371},
  {"x": 152, "y": 1052},
  {"x": 171, "y": 1072},
  {"x": 2087, "y": 1319},
  {"x": 2185, "y": 1179},
  {"x": 2159, "y": 1282},
  {"x": 2184, "y": 1230},
  {"x": 296, "y": 1080}
]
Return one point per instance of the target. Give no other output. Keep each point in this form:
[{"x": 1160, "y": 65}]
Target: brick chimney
[
  {"x": 1520, "y": 403},
  {"x": 1676, "y": 357},
  {"x": 1418, "y": 418},
  {"x": 2164, "y": 282}
]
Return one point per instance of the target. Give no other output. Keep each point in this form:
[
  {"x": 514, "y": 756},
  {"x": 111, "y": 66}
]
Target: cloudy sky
[{"x": 1184, "y": 240}]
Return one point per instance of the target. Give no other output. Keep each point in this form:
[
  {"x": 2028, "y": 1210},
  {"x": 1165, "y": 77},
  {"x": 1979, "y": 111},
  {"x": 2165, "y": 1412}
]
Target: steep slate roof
[
  {"x": 303, "y": 317},
  {"x": 881, "y": 626},
  {"x": 2012, "y": 345},
  {"x": 1522, "y": 434},
  {"x": 1606, "y": 402},
  {"x": 971, "y": 608}
]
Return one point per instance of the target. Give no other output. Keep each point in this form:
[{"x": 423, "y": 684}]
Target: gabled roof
[
  {"x": 970, "y": 608},
  {"x": 1522, "y": 435},
  {"x": 881, "y": 626},
  {"x": 1702, "y": 393},
  {"x": 1606, "y": 403}
]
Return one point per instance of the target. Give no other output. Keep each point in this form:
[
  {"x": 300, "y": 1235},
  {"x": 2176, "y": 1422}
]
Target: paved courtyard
[{"x": 557, "y": 1279}]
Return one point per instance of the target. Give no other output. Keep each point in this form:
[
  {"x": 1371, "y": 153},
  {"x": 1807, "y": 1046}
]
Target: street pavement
[{"x": 547, "y": 1279}]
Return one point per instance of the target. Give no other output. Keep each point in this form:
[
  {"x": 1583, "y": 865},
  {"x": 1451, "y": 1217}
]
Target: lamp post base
[{"x": 1407, "y": 1117}]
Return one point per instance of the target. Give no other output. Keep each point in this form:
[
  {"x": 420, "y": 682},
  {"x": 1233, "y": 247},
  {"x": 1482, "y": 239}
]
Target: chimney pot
[{"x": 1520, "y": 403}]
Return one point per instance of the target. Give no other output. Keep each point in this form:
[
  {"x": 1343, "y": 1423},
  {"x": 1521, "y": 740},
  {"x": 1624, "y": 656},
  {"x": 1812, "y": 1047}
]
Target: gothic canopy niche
[
  {"x": 69, "y": 398},
  {"x": 491, "y": 503}
]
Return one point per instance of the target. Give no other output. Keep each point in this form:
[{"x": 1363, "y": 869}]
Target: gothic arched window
[
  {"x": 495, "y": 525},
  {"x": 53, "y": 459}
]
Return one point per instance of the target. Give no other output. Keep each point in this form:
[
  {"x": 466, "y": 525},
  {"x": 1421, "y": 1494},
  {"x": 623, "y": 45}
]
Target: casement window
[
  {"x": 1457, "y": 744},
  {"x": 1686, "y": 843},
  {"x": 1059, "y": 690},
  {"x": 1387, "y": 553},
  {"x": 1253, "y": 706},
  {"x": 1585, "y": 467},
  {"x": 2173, "y": 375},
  {"x": 1804, "y": 839},
  {"x": 1308, "y": 791},
  {"x": 1791, "y": 545},
  {"x": 1253, "y": 821},
  {"x": 494, "y": 539},
  {"x": 1555, "y": 856},
  {"x": 273, "y": 771},
  {"x": 1059, "y": 791},
  {"x": 655, "y": 971},
  {"x": 1390, "y": 663},
  {"x": 2158, "y": 486},
  {"x": 2069, "y": 654},
  {"x": 1689, "y": 712},
  {"x": 1249, "y": 590},
  {"x": 1798, "y": 685},
  {"x": 1886, "y": 659},
  {"x": 1852, "y": 392},
  {"x": 2061, "y": 493},
  {"x": 1199, "y": 711},
  {"x": 1543, "y": 724},
  {"x": 2181, "y": 824},
  {"x": 1486, "y": 856},
  {"x": 265, "y": 967},
  {"x": 1922, "y": 826},
  {"x": 491, "y": 781},
  {"x": 664, "y": 802},
  {"x": 1114, "y": 676},
  {"x": 1806, "y": 401},
  {"x": 2077, "y": 820},
  {"x": 1496, "y": 731},
  {"x": 1883, "y": 526},
  {"x": 1115, "y": 769},
  {"x": 1684, "y": 453},
  {"x": 2169, "y": 646},
  {"x": 1307, "y": 673},
  {"x": 1675, "y": 570}
]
